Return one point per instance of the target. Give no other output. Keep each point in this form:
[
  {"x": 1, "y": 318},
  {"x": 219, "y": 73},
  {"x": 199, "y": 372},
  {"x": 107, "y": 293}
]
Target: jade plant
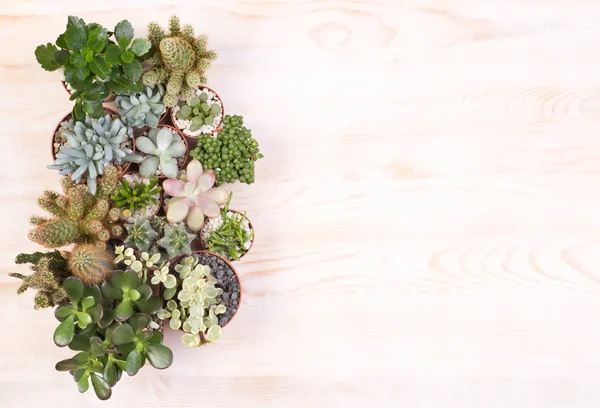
[
  {"x": 193, "y": 196},
  {"x": 111, "y": 330},
  {"x": 50, "y": 269},
  {"x": 92, "y": 145},
  {"x": 192, "y": 304},
  {"x": 142, "y": 108},
  {"x": 96, "y": 62},
  {"x": 198, "y": 112},
  {"x": 163, "y": 148},
  {"x": 180, "y": 60},
  {"x": 137, "y": 195},
  {"x": 231, "y": 154},
  {"x": 78, "y": 216}
]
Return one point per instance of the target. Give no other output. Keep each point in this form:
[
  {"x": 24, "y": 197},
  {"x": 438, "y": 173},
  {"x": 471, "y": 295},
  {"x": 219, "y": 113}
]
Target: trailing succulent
[
  {"x": 198, "y": 111},
  {"x": 50, "y": 269},
  {"x": 180, "y": 60},
  {"x": 163, "y": 148},
  {"x": 196, "y": 308},
  {"x": 194, "y": 196},
  {"x": 137, "y": 195},
  {"x": 109, "y": 327},
  {"x": 141, "y": 266},
  {"x": 96, "y": 62},
  {"x": 78, "y": 216},
  {"x": 231, "y": 154},
  {"x": 142, "y": 108},
  {"x": 91, "y": 146}
]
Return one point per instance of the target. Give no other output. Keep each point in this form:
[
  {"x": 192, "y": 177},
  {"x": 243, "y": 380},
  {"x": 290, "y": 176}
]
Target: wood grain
[{"x": 426, "y": 212}]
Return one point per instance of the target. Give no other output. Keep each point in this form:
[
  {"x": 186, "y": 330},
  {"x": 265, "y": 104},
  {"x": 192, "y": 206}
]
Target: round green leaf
[
  {"x": 80, "y": 343},
  {"x": 77, "y": 374},
  {"x": 139, "y": 321},
  {"x": 95, "y": 312},
  {"x": 75, "y": 38},
  {"x": 157, "y": 337},
  {"x": 96, "y": 347},
  {"x": 123, "y": 310},
  {"x": 134, "y": 295},
  {"x": 83, "y": 384},
  {"x": 127, "y": 280},
  {"x": 66, "y": 365},
  {"x": 113, "y": 54},
  {"x": 62, "y": 312},
  {"x": 213, "y": 333},
  {"x": 111, "y": 291},
  {"x": 123, "y": 334},
  {"x": 74, "y": 288},
  {"x": 124, "y": 29},
  {"x": 107, "y": 317},
  {"x": 159, "y": 356},
  {"x": 134, "y": 362},
  {"x": 84, "y": 320},
  {"x": 101, "y": 387},
  {"x": 170, "y": 282},
  {"x": 64, "y": 332},
  {"x": 169, "y": 293},
  {"x": 87, "y": 302},
  {"x": 127, "y": 57},
  {"x": 133, "y": 69},
  {"x": 145, "y": 291},
  {"x": 140, "y": 46},
  {"x": 45, "y": 56},
  {"x": 93, "y": 290},
  {"x": 110, "y": 373},
  {"x": 150, "y": 306}
]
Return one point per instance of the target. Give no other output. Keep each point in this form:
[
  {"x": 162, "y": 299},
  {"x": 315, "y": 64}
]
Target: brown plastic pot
[
  {"x": 219, "y": 126},
  {"x": 110, "y": 98},
  {"x": 199, "y": 233},
  {"x": 66, "y": 117},
  {"x": 146, "y": 129}
]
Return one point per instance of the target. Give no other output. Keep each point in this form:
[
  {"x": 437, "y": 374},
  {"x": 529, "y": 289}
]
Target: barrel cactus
[
  {"x": 143, "y": 108},
  {"x": 91, "y": 147},
  {"x": 176, "y": 240},
  {"x": 91, "y": 264},
  {"x": 180, "y": 60}
]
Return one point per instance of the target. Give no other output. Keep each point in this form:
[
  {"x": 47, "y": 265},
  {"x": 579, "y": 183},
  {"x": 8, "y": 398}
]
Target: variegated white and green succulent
[
  {"x": 142, "y": 109},
  {"x": 91, "y": 146}
]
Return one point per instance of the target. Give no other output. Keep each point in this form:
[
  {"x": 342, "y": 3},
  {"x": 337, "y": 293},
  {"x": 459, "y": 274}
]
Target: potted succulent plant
[
  {"x": 137, "y": 197},
  {"x": 231, "y": 154},
  {"x": 95, "y": 62},
  {"x": 142, "y": 109},
  {"x": 200, "y": 114},
  {"x": 191, "y": 197},
  {"x": 229, "y": 235},
  {"x": 202, "y": 294},
  {"x": 92, "y": 145},
  {"x": 163, "y": 150}
]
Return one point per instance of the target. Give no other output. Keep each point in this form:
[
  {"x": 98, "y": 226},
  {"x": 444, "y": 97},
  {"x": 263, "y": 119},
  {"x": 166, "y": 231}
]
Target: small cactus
[
  {"x": 140, "y": 234},
  {"x": 177, "y": 240},
  {"x": 91, "y": 264}
]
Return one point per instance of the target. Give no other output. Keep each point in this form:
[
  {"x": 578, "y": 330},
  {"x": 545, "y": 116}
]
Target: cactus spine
[{"x": 91, "y": 264}]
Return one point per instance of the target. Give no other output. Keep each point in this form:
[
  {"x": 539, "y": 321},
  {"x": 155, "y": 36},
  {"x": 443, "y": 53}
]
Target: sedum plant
[
  {"x": 142, "y": 265},
  {"x": 137, "y": 195},
  {"x": 231, "y": 154},
  {"x": 50, "y": 269},
  {"x": 96, "y": 62},
  {"x": 162, "y": 148},
  {"x": 140, "y": 234},
  {"x": 198, "y": 111},
  {"x": 194, "y": 196},
  {"x": 180, "y": 60},
  {"x": 196, "y": 308},
  {"x": 143, "y": 108},
  {"x": 176, "y": 240},
  {"x": 91, "y": 146},
  {"x": 78, "y": 216}
]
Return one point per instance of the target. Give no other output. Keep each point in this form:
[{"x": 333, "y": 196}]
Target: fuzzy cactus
[
  {"x": 180, "y": 59},
  {"x": 50, "y": 269},
  {"x": 176, "y": 240},
  {"x": 91, "y": 264},
  {"x": 78, "y": 216}
]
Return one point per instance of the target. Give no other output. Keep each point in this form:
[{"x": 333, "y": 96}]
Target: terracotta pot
[
  {"x": 110, "y": 98},
  {"x": 219, "y": 126},
  {"x": 199, "y": 234},
  {"x": 175, "y": 260},
  {"x": 67, "y": 116},
  {"x": 146, "y": 129}
]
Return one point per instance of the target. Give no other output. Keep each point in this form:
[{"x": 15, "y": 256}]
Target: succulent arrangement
[{"x": 119, "y": 264}]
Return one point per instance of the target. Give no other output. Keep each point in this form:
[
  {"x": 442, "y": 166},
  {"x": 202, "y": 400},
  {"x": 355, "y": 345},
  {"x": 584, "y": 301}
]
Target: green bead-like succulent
[
  {"x": 143, "y": 108},
  {"x": 176, "y": 240}
]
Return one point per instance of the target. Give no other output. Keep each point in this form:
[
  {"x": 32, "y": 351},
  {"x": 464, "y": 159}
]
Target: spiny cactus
[
  {"x": 140, "y": 234},
  {"x": 180, "y": 59},
  {"x": 78, "y": 216},
  {"x": 91, "y": 264},
  {"x": 177, "y": 240},
  {"x": 50, "y": 269}
]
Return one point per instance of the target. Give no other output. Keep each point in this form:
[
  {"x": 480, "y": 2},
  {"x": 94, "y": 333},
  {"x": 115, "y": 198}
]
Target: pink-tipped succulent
[{"x": 194, "y": 196}]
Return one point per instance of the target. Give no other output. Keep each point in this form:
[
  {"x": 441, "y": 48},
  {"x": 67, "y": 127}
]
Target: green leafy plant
[
  {"x": 194, "y": 196},
  {"x": 94, "y": 63},
  {"x": 176, "y": 240},
  {"x": 78, "y": 216},
  {"x": 231, "y": 154},
  {"x": 93, "y": 145},
  {"x": 50, "y": 269},
  {"x": 231, "y": 238},
  {"x": 137, "y": 195},
  {"x": 142, "y": 108},
  {"x": 198, "y": 112},
  {"x": 140, "y": 234},
  {"x": 163, "y": 146},
  {"x": 131, "y": 293},
  {"x": 196, "y": 308},
  {"x": 180, "y": 60}
]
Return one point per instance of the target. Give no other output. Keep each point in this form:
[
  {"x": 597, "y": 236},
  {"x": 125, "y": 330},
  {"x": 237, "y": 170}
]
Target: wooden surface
[{"x": 426, "y": 212}]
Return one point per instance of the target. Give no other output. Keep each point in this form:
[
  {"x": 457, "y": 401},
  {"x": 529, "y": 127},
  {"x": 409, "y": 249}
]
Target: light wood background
[{"x": 426, "y": 212}]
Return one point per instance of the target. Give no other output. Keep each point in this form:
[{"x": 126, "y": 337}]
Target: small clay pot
[
  {"x": 68, "y": 115},
  {"x": 144, "y": 155},
  {"x": 110, "y": 98},
  {"x": 219, "y": 126},
  {"x": 199, "y": 234}
]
